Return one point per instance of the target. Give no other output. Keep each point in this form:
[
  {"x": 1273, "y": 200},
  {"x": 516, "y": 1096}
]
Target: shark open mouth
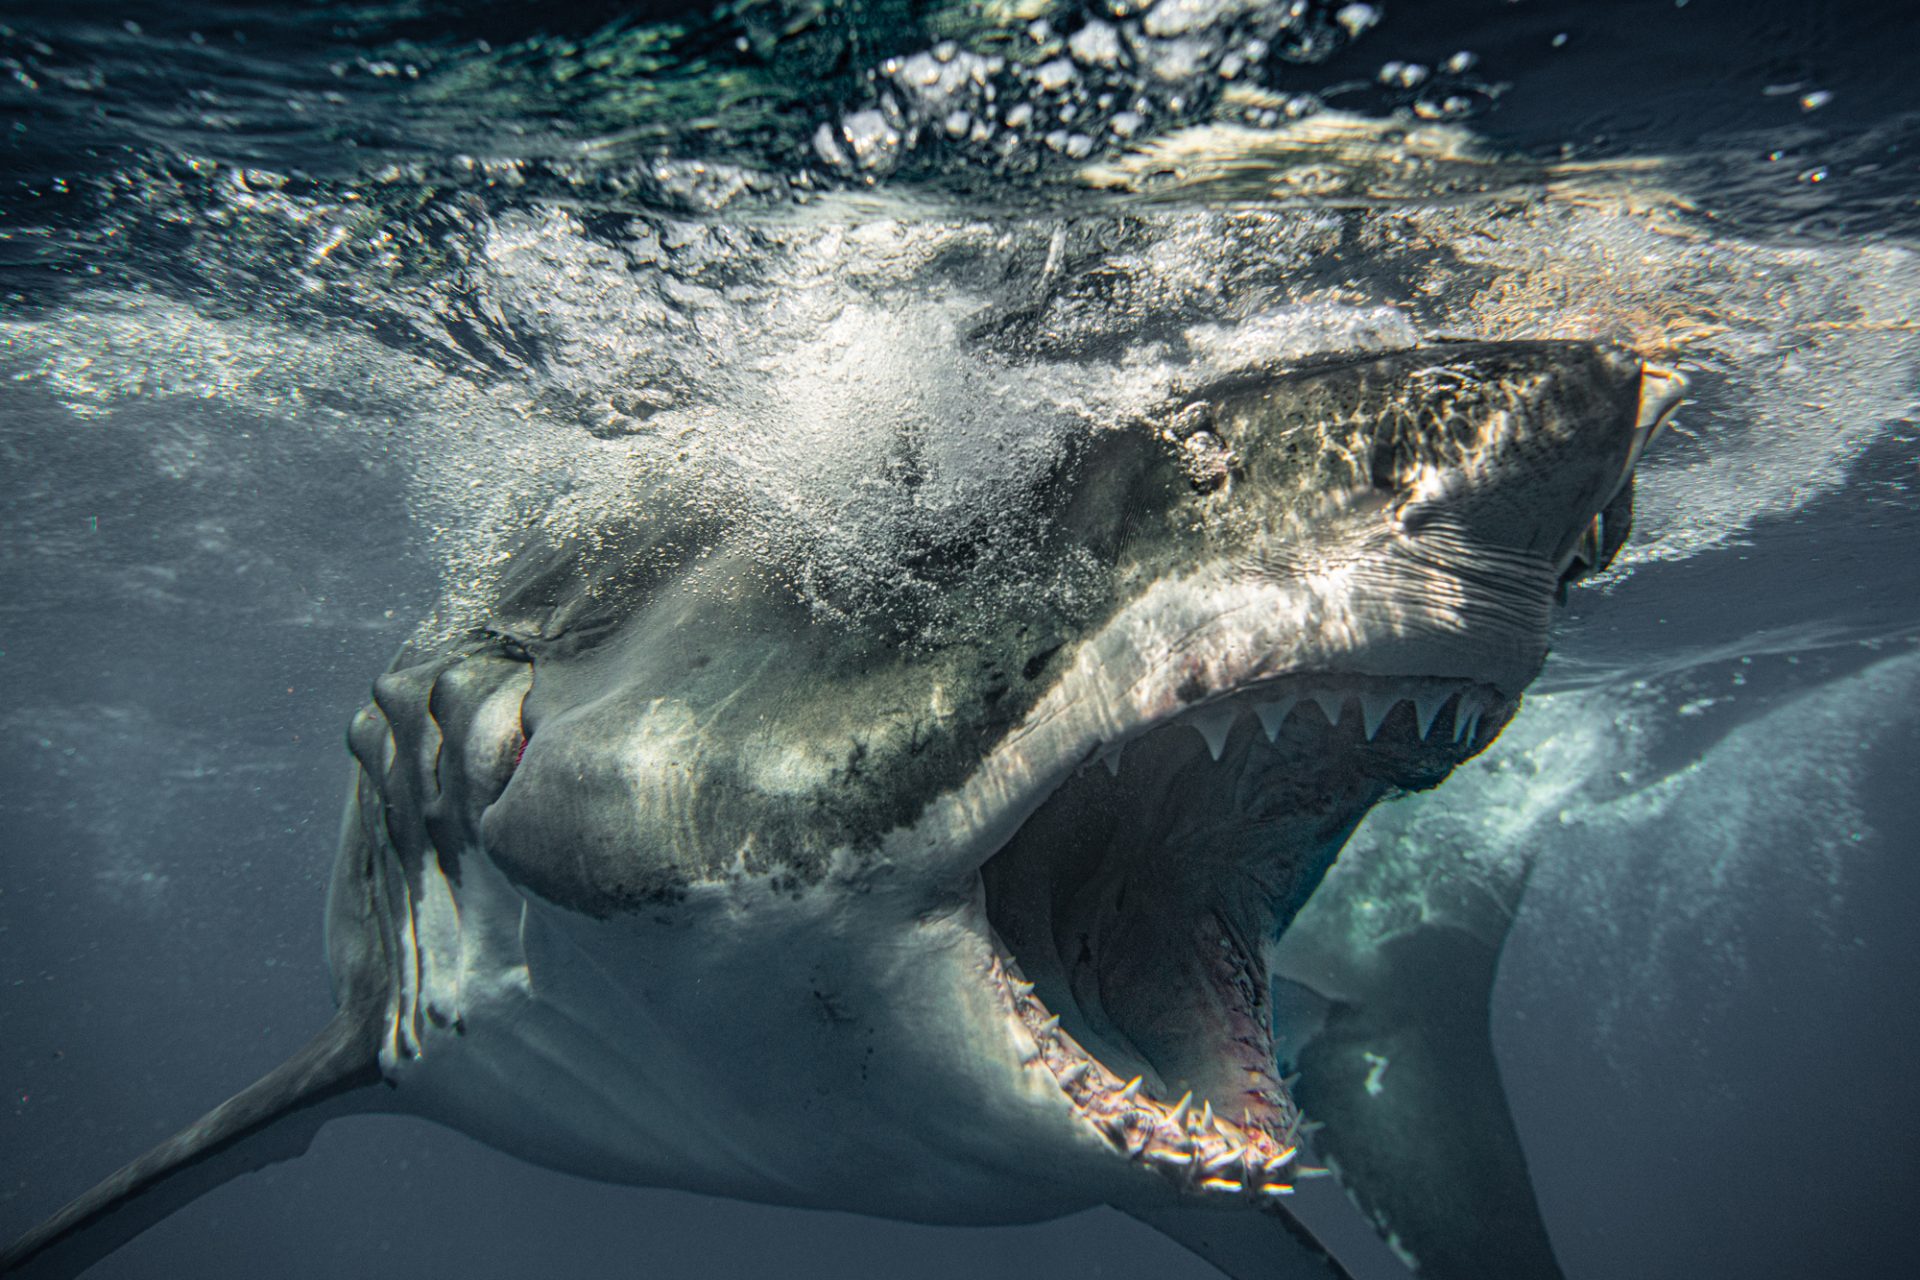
[{"x": 1134, "y": 908}]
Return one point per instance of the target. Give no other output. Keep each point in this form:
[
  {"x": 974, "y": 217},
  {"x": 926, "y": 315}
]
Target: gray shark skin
[{"x": 677, "y": 874}]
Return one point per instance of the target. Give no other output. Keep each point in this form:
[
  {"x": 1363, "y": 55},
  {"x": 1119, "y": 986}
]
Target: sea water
[{"x": 309, "y": 314}]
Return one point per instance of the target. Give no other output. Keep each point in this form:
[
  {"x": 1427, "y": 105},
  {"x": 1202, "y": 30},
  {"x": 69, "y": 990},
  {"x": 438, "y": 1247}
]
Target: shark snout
[{"x": 1544, "y": 468}]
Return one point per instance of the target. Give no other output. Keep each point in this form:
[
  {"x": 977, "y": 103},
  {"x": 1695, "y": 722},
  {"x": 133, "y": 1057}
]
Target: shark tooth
[
  {"x": 1206, "y": 1116},
  {"x": 1072, "y": 1075},
  {"x": 1179, "y": 1112},
  {"x": 1048, "y": 1027},
  {"x": 1374, "y": 708},
  {"x": 1468, "y": 724},
  {"x": 1426, "y": 709},
  {"x": 1469, "y": 705},
  {"x": 1233, "y": 1155},
  {"x": 1274, "y": 714},
  {"x": 1133, "y": 1088},
  {"x": 1330, "y": 704},
  {"x": 1220, "y": 1184},
  {"x": 1281, "y": 1160},
  {"x": 1214, "y": 725},
  {"x": 1111, "y": 758}
]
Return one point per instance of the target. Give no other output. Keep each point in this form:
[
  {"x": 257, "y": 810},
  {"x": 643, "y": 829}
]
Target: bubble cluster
[{"x": 1058, "y": 92}]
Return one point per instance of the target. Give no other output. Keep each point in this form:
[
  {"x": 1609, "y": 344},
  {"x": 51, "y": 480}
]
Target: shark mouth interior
[{"x": 1134, "y": 908}]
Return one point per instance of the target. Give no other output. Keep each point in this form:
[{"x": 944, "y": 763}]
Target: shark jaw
[
  {"x": 1131, "y": 913},
  {"x": 1144, "y": 837}
]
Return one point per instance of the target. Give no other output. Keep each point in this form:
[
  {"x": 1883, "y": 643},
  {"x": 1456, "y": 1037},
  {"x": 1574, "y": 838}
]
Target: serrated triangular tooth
[
  {"x": 1233, "y": 1155},
  {"x": 1426, "y": 709},
  {"x": 1133, "y": 1088},
  {"x": 1072, "y": 1075},
  {"x": 1274, "y": 714},
  {"x": 1048, "y": 1027},
  {"x": 1280, "y": 1161},
  {"x": 1214, "y": 724},
  {"x": 1374, "y": 708},
  {"x": 1179, "y": 1112},
  {"x": 1021, "y": 987},
  {"x": 1111, "y": 758},
  {"x": 1465, "y": 726},
  {"x": 1330, "y": 704}
]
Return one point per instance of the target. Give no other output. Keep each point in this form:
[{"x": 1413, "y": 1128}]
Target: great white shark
[{"x": 667, "y": 876}]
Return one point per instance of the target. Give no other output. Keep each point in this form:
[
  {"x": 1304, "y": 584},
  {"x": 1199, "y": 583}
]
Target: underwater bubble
[{"x": 1096, "y": 44}]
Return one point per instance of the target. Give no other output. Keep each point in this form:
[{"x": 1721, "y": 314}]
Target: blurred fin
[
  {"x": 273, "y": 1119},
  {"x": 1402, "y": 1074}
]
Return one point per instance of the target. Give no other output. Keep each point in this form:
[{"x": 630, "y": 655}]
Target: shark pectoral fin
[
  {"x": 271, "y": 1120},
  {"x": 1247, "y": 1243},
  {"x": 1402, "y": 1075}
]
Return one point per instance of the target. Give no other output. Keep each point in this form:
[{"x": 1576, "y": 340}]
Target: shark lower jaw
[{"x": 1132, "y": 912}]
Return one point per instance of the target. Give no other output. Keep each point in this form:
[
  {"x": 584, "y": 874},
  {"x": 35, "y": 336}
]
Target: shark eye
[{"x": 1383, "y": 466}]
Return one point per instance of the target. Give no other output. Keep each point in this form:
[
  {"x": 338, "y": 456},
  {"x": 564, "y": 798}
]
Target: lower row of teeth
[{"x": 1201, "y": 1150}]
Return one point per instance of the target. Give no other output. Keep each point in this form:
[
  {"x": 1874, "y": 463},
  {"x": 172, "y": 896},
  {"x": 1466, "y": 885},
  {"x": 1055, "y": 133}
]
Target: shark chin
[{"x": 685, "y": 871}]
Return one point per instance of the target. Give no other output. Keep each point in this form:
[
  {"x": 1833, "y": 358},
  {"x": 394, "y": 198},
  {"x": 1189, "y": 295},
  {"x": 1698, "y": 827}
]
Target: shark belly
[{"x": 829, "y": 1083}]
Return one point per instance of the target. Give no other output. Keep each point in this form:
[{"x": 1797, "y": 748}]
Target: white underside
[{"x": 816, "y": 1050}]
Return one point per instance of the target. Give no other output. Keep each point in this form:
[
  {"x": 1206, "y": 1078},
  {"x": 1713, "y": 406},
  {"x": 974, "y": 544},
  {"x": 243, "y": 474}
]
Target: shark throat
[{"x": 1134, "y": 910}]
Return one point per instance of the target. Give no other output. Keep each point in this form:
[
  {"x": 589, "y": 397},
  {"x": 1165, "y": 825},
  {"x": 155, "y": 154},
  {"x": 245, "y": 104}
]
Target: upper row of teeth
[{"x": 1215, "y": 723}]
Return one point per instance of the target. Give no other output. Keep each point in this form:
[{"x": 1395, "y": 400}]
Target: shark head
[{"x": 674, "y": 874}]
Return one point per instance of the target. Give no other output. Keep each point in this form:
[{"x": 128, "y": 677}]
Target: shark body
[{"x": 674, "y": 874}]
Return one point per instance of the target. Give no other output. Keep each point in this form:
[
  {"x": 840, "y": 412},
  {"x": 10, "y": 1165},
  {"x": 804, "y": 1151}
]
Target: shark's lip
[{"x": 1253, "y": 1154}]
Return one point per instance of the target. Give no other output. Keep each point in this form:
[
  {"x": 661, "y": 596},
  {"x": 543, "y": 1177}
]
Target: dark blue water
[{"x": 302, "y": 307}]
